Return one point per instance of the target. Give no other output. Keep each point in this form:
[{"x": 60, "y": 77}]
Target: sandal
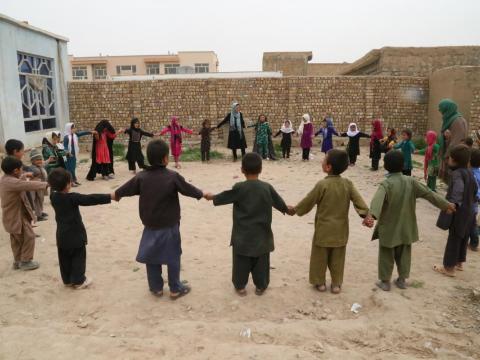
[
  {"x": 321, "y": 288},
  {"x": 259, "y": 292},
  {"x": 384, "y": 285},
  {"x": 241, "y": 292},
  {"x": 400, "y": 283},
  {"x": 183, "y": 291},
  {"x": 335, "y": 289},
  {"x": 443, "y": 271},
  {"x": 459, "y": 267},
  {"x": 157, "y": 293}
]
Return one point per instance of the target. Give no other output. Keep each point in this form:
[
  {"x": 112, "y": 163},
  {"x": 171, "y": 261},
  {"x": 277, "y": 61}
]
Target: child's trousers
[
  {"x": 258, "y": 266},
  {"x": 155, "y": 279},
  {"x": 474, "y": 234},
  {"x": 263, "y": 150},
  {"x": 306, "y": 154},
  {"x": 322, "y": 258},
  {"x": 72, "y": 265},
  {"x": 387, "y": 257},
  {"x": 286, "y": 152},
  {"x": 432, "y": 183},
  {"x": 23, "y": 244},
  {"x": 205, "y": 155},
  {"x": 455, "y": 250}
]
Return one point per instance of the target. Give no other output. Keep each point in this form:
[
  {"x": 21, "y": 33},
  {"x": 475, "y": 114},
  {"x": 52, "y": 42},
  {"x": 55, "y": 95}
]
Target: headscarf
[
  {"x": 449, "y": 110},
  {"x": 235, "y": 120},
  {"x": 285, "y": 129},
  {"x": 352, "y": 133},
  {"x": 329, "y": 122},
  {"x": 71, "y": 138},
  {"x": 305, "y": 117},
  {"x": 49, "y": 137},
  {"x": 133, "y": 122},
  {"x": 104, "y": 125},
  {"x": 175, "y": 128},
  {"x": 377, "y": 133},
  {"x": 431, "y": 140}
]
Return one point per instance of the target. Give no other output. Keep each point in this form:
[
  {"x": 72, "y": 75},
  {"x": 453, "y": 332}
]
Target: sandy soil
[{"x": 117, "y": 318}]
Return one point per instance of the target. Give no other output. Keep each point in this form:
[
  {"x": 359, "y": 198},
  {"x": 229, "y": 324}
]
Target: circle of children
[{"x": 392, "y": 207}]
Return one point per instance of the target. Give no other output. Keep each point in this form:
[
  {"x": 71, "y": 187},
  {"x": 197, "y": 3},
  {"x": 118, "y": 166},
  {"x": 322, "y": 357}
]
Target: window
[
  {"x": 99, "y": 72},
  {"x": 201, "y": 68},
  {"x": 36, "y": 91},
  {"x": 79, "y": 73},
  {"x": 153, "y": 69},
  {"x": 171, "y": 68},
  {"x": 126, "y": 69}
]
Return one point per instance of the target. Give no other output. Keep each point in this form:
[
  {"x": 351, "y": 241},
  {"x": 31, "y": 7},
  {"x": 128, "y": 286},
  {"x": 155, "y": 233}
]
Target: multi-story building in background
[{"x": 98, "y": 68}]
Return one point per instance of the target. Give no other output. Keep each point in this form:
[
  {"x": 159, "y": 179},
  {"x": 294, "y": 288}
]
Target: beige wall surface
[
  {"x": 357, "y": 99},
  {"x": 457, "y": 83},
  {"x": 190, "y": 58},
  {"x": 325, "y": 69}
]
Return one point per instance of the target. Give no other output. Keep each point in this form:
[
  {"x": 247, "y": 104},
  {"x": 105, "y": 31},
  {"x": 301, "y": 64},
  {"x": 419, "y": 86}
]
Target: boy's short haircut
[
  {"x": 59, "y": 178},
  {"x": 10, "y": 164},
  {"x": 475, "y": 158},
  {"x": 252, "y": 164},
  {"x": 408, "y": 132},
  {"x": 460, "y": 154},
  {"x": 156, "y": 152},
  {"x": 338, "y": 160},
  {"x": 468, "y": 141},
  {"x": 393, "y": 161},
  {"x": 13, "y": 145}
]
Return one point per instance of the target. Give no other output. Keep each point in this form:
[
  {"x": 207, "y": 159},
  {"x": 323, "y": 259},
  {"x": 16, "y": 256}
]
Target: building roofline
[
  {"x": 27, "y": 26},
  {"x": 139, "y": 55}
]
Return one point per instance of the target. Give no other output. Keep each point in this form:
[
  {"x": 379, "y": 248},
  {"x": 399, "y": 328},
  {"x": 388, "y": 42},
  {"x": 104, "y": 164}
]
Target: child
[
  {"x": 353, "y": 148},
  {"x": 205, "y": 133},
  {"x": 462, "y": 191},
  {"x": 327, "y": 130},
  {"x": 475, "y": 165},
  {"x": 71, "y": 233},
  {"x": 159, "y": 206},
  {"x": 306, "y": 131},
  {"x": 263, "y": 133},
  {"x": 134, "y": 152},
  {"x": 40, "y": 174},
  {"x": 389, "y": 141},
  {"x": 287, "y": 131},
  {"x": 175, "y": 130},
  {"x": 393, "y": 206},
  {"x": 407, "y": 147},
  {"x": 332, "y": 197},
  {"x": 252, "y": 237},
  {"x": 53, "y": 155},
  {"x": 70, "y": 144},
  {"x": 431, "y": 163},
  {"x": 468, "y": 141},
  {"x": 17, "y": 214},
  {"x": 375, "y": 146}
]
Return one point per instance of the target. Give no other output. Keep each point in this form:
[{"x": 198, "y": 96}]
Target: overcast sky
[{"x": 240, "y": 31}]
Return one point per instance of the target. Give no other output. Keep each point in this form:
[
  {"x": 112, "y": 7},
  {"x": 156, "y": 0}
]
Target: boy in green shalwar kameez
[
  {"x": 393, "y": 205},
  {"x": 332, "y": 197}
]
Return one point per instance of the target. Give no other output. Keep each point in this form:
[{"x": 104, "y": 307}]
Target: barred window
[
  {"x": 99, "y": 72},
  {"x": 37, "y": 92},
  {"x": 79, "y": 73},
  {"x": 153, "y": 69},
  {"x": 171, "y": 68},
  {"x": 202, "y": 68}
]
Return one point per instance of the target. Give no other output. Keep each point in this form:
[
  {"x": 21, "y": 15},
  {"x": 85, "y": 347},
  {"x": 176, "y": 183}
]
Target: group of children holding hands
[{"x": 392, "y": 207}]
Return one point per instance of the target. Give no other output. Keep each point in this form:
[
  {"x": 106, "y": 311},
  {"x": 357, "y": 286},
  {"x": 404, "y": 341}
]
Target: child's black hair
[
  {"x": 205, "y": 122},
  {"x": 252, "y": 164},
  {"x": 13, "y": 145},
  {"x": 265, "y": 116},
  {"x": 393, "y": 161},
  {"x": 156, "y": 152},
  {"x": 59, "y": 178},
  {"x": 468, "y": 141},
  {"x": 10, "y": 164},
  {"x": 460, "y": 154},
  {"x": 338, "y": 160},
  {"x": 475, "y": 158},
  {"x": 133, "y": 122},
  {"x": 408, "y": 132}
]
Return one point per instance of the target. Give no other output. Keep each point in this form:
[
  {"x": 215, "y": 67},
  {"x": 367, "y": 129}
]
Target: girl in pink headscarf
[
  {"x": 431, "y": 163},
  {"x": 175, "y": 130},
  {"x": 375, "y": 145}
]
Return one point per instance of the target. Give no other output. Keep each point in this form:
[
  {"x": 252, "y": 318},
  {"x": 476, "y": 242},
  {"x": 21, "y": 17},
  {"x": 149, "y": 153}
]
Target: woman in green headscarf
[{"x": 454, "y": 131}]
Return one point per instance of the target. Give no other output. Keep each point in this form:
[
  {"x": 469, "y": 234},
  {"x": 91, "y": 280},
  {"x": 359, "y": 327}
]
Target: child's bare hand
[
  {"x": 208, "y": 196},
  {"x": 451, "y": 208},
  {"x": 368, "y": 221},
  {"x": 28, "y": 175},
  {"x": 291, "y": 210}
]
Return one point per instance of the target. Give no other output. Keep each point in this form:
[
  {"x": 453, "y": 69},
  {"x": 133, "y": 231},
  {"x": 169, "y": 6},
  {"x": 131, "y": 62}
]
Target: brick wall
[
  {"x": 475, "y": 110},
  {"x": 401, "y": 101}
]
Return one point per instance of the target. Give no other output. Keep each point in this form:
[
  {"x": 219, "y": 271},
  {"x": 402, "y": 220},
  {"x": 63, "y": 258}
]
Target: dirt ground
[{"x": 117, "y": 318}]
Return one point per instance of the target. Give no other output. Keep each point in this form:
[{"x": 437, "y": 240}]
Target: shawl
[
  {"x": 431, "y": 140},
  {"x": 305, "y": 120},
  {"x": 377, "y": 133},
  {"x": 71, "y": 139},
  {"x": 287, "y": 129},
  {"x": 449, "y": 110},
  {"x": 235, "y": 121},
  {"x": 351, "y": 133}
]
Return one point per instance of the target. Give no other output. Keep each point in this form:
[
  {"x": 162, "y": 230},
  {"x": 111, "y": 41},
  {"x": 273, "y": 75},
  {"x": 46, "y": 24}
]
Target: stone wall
[
  {"x": 475, "y": 110},
  {"x": 401, "y": 101}
]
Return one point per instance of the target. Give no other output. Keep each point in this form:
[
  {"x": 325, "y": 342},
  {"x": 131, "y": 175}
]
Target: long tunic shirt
[
  {"x": 134, "y": 151},
  {"x": 307, "y": 134},
  {"x": 407, "y": 149},
  {"x": 327, "y": 134},
  {"x": 102, "y": 152},
  {"x": 433, "y": 163},
  {"x": 252, "y": 216},
  {"x": 394, "y": 206},
  {"x": 332, "y": 197},
  {"x": 176, "y": 138},
  {"x": 353, "y": 147}
]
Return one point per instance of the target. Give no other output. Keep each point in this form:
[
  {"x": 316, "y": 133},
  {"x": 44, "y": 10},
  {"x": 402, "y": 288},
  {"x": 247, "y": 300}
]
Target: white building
[{"x": 34, "y": 69}]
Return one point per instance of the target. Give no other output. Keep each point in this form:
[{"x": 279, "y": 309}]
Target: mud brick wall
[
  {"x": 400, "y": 101},
  {"x": 475, "y": 111}
]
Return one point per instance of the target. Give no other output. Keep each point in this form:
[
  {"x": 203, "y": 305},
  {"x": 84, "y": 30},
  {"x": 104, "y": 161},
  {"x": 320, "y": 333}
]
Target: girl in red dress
[{"x": 175, "y": 130}]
